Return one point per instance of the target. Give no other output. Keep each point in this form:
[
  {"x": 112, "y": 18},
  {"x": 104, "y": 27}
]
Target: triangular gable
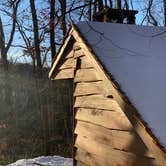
[
  {"x": 140, "y": 127},
  {"x": 60, "y": 54}
]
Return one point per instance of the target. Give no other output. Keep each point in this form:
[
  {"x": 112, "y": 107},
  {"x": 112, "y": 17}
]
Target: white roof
[{"x": 136, "y": 57}]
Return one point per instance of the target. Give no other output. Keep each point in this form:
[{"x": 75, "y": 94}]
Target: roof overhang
[{"x": 61, "y": 50}]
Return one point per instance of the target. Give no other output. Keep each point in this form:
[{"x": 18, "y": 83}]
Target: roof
[{"x": 135, "y": 56}]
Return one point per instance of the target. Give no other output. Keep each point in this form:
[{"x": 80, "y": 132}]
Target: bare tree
[
  {"x": 118, "y": 4},
  {"x": 36, "y": 35},
  {"x": 4, "y": 47},
  {"x": 52, "y": 32},
  {"x": 63, "y": 16}
]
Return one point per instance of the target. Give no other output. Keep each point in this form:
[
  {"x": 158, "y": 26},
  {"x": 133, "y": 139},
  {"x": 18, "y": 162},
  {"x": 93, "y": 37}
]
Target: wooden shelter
[{"x": 108, "y": 128}]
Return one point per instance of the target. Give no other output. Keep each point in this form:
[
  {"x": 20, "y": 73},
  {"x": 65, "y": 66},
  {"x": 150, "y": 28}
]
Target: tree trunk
[
  {"x": 90, "y": 10},
  {"x": 118, "y": 4},
  {"x": 100, "y": 5},
  {"x": 36, "y": 35},
  {"x": 2, "y": 45},
  {"x": 52, "y": 32},
  {"x": 4, "y": 48},
  {"x": 63, "y": 13},
  {"x": 110, "y": 3}
]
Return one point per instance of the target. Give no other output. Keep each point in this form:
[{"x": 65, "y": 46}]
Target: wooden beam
[
  {"x": 113, "y": 156},
  {"x": 85, "y": 63},
  {"x": 64, "y": 74},
  {"x": 68, "y": 63},
  {"x": 90, "y": 159},
  {"x": 87, "y": 88},
  {"x": 108, "y": 119},
  {"x": 70, "y": 54},
  {"x": 122, "y": 140},
  {"x": 79, "y": 163},
  {"x": 86, "y": 75},
  {"x": 97, "y": 102},
  {"x": 78, "y": 53}
]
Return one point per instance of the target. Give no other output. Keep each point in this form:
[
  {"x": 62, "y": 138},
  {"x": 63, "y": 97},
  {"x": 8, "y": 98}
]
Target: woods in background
[{"x": 32, "y": 31}]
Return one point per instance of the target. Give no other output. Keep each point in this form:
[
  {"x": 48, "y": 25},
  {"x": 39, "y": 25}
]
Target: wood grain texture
[
  {"x": 60, "y": 53},
  {"x": 108, "y": 119},
  {"x": 76, "y": 46},
  {"x": 90, "y": 159},
  {"x": 64, "y": 74},
  {"x": 116, "y": 157},
  {"x": 78, "y": 53},
  {"x": 85, "y": 75},
  {"x": 86, "y": 63},
  {"x": 68, "y": 63},
  {"x": 69, "y": 54},
  {"x": 79, "y": 163},
  {"x": 89, "y": 88},
  {"x": 97, "y": 101},
  {"x": 122, "y": 140}
]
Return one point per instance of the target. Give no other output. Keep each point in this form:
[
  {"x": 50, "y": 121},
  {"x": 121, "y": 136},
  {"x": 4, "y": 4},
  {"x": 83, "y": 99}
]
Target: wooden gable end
[
  {"x": 103, "y": 133},
  {"x": 65, "y": 66},
  {"x": 107, "y": 132},
  {"x": 64, "y": 63}
]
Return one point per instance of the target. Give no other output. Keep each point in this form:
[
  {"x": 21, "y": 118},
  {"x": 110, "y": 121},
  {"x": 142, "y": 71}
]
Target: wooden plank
[
  {"x": 79, "y": 163},
  {"x": 85, "y": 75},
  {"x": 60, "y": 53},
  {"x": 78, "y": 53},
  {"x": 108, "y": 119},
  {"x": 89, "y": 88},
  {"x": 76, "y": 46},
  {"x": 69, "y": 54},
  {"x": 123, "y": 140},
  {"x": 86, "y": 63},
  {"x": 90, "y": 159},
  {"x": 68, "y": 63},
  {"x": 128, "y": 109},
  {"x": 64, "y": 74},
  {"x": 98, "y": 102},
  {"x": 114, "y": 156}
]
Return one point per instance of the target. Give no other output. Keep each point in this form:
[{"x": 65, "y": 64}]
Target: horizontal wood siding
[
  {"x": 89, "y": 88},
  {"x": 79, "y": 163},
  {"x": 114, "y": 156},
  {"x": 89, "y": 158},
  {"x": 78, "y": 52},
  {"x": 104, "y": 135},
  {"x": 70, "y": 54},
  {"x": 108, "y": 119},
  {"x": 97, "y": 101},
  {"x": 66, "y": 67},
  {"x": 65, "y": 74},
  {"x": 68, "y": 63},
  {"x": 117, "y": 139},
  {"x": 86, "y": 75},
  {"x": 85, "y": 62}
]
